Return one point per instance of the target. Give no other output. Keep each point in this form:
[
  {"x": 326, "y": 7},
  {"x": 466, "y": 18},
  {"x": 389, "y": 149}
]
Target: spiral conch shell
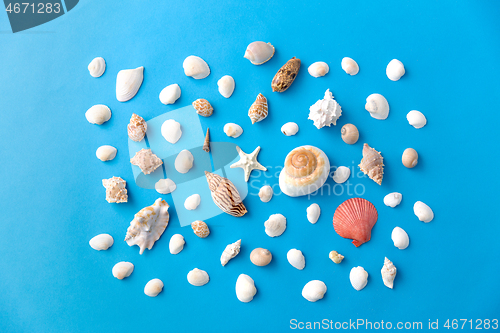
[
  {"x": 306, "y": 170},
  {"x": 128, "y": 82},
  {"x": 97, "y": 67},
  {"x": 259, "y": 110},
  {"x": 372, "y": 164},
  {"x": 259, "y": 52},
  {"x": 137, "y": 128},
  {"x": 230, "y": 252},
  {"x": 225, "y": 195},
  {"x": 388, "y": 273}
]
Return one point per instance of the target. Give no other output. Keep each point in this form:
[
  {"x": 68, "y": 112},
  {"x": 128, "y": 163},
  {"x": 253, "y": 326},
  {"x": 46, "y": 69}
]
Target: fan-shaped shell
[
  {"x": 137, "y": 128},
  {"x": 372, "y": 164},
  {"x": 198, "y": 277},
  {"x": 225, "y": 195},
  {"x": 128, "y": 82},
  {"x": 275, "y": 225},
  {"x": 354, "y": 219},
  {"x": 98, "y": 114},
  {"x": 259, "y": 110}
]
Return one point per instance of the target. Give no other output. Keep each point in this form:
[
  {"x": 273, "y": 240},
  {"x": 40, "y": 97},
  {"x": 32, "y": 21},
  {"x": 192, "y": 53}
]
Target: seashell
[
  {"x": 97, "y": 67},
  {"x": 206, "y": 143},
  {"x": 259, "y": 52},
  {"x": 128, "y": 82},
  {"x": 341, "y": 175},
  {"x": 101, "y": 242},
  {"x": 233, "y": 130},
  {"x": 395, "y": 70},
  {"x": 410, "y": 158},
  {"x": 106, "y": 153},
  {"x": 230, "y": 252},
  {"x": 225, "y": 195},
  {"x": 198, "y": 277},
  {"x": 393, "y": 199},
  {"x": 115, "y": 190},
  {"x": 296, "y": 259},
  {"x": 153, "y": 287},
  {"x": 372, "y": 164},
  {"x": 306, "y": 170},
  {"x": 318, "y": 69},
  {"x": 313, "y": 212},
  {"x": 171, "y": 131},
  {"x": 146, "y": 161},
  {"x": 350, "y": 134},
  {"x": 423, "y": 212},
  {"x": 354, "y": 219},
  {"x": 245, "y": 288},
  {"x": 195, "y": 67},
  {"x": 226, "y": 86},
  {"x": 137, "y": 128},
  {"x": 286, "y": 75},
  {"x": 170, "y": 94},
  {"x": 266, "y": 193},
  {"x": 336, "y": 257},
  {"x": 148, "y": 225},
  {"x": 275, "y": 225},
  {"x": 400, "y": 238},
  {"x": 358, "y": 277},
  {"x": 184, "y": 161},
  {"x": 314, "y": 290},
  {"x": 165, "y": 186},
  {"x": 350, "y": 66},
  {"x": 248, "y": 162},
  {"x": 325, "y": 112},
  {"x": 388, "y": 273},
  {"x": 98, "y": 114},
  {"x": 416, "y": 119},
  {"x": 122, "y": 270},
  {"x": 378, "y": 106},
  {"x": 203, "y": 107},
  {"x": 176, "y": 243},
  {"x": 192, "y": 202},
  {"x": 260, "y": 257},
  {"x": 290, "y": 129},
  {"x": 259, "y": 110},
  {"x": 200, "y": 229}
]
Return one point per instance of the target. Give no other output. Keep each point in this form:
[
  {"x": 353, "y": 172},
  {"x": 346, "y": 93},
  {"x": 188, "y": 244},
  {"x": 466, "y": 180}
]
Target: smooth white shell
[
  {"x": 350, "y": 66},
  {"x": 233, "y": 130},
  {"x": 395, "y": 69},
  {"x": 296, "y": 259},
  {"x": 153, "y": 287},
  {"x": 416, "y": 119},
  {"x": 275, "y": 225},
  {"x": 226, "y": 86},
  {"x": 101, "y": 242},
  {"x": 184, "y": 161},
  {"x": 122, "y": 270},
  {"x": 341, "y": 175},
  {"x": 192, "y": 202},
  {"x": 195, "y": 67},
  {"x": 245, "y": 288},
  {"x": 198, "y": 277},
  {"x": 393, "y": 199},
  {"x": 171, "y": 131},
  {"x": 176, "y": 243},
  {"x": 423, "y": 212},
  {"x": 259, "y": 52},
  {"x": 290, "y": 129},
  {"x": 388, "y": 273},
  {"x": 313, "y": 212},
  {"x": 97, "y": 67},
  {"x": 400, "y": 238},
  {"x": 318, "y": 69},
  {"x": 165, "y": 186},
  {"x": 128, "y": 82},
  {"x": 378, "y": 106},
  {"x": 98, "y": 114},
  {"x": 358, "y": 277},
  {"x": 266, "y": 193},
  {"x": 314, "y": 290},
  {"x": 170, "y": 94},
  {"x": 106, "y": 153}
]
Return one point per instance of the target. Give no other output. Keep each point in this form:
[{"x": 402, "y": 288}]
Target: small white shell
[
  {"x": 195, "y": 67},
  {"x": 341, "y": 175},
  {"x": 128, "y": 82},
  {"x": 388, "y": 273},
  {"x": 176, "y": 243},
  {"x": 266, "y": 193},
  {"x": 318, "y": 69},
  {"x": 184, "y": 161},
  {"x": 226, "y": 86},
  {"x": 259, "y": 52},
  {"x": 97, "y": 67},
  {"x": 296, "y": 259},
  {"x": 350, "y": 66},
  {"x": 378, "y": 106},
  {"x": 358, "y": 277},
  {"x": 400, "y": 238},
  {"x": 106, "y": 153},
  {"x": 101, "y": 242},
  {"x": 153, "y": 287},
  {"x": 230, "y": 252},
  {"x": 165, "y": 186},
  {"x": 233, "y": 130},
  {"x": 170, "y": 94},
  {"x": 314, "y": 290},
  {"x": 98, "y": 114},
  {"x": 275, "y": 225},
  {"x": 416, "y": 119},
  {"x": 245, "y": 288},
  {"x": 198, "y": 277},
  {"x": 423, "y": 212},
  {"x": 395, "y": 69},
  {"x": 290, "y": 129},
  {"x": 393, "y": 199},
  {"x": 122, "y": 270},
  {"x": 171, "y": 131},
  {"x": 313, "y": 212},
  {"x": 192, "y": 202}
]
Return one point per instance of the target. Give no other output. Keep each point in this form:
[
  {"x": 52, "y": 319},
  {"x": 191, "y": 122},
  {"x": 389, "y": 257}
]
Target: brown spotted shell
[
  {"x": 225, "y": 195},
  {"x": 286, "y": 75},
  {"x": 137, "y": 128},
  {"x": 200, "y": 228},
  {"x": 203, "y": 107},
  {"x": 259, "y": 110},
  {"x": 372, "y": 164}
]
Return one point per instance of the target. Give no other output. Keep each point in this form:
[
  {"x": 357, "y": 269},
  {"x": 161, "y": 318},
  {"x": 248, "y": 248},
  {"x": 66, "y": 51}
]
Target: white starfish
[{"x": 248, "y": 162}]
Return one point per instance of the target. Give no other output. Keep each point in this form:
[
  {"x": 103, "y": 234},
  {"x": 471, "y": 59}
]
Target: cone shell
[
  {"x": 203, "y": 107},
  {"x": 225, "y": 195},
  {"x": 372, "y": 164},
  {"x": 128, "y": 82},
  {"x": 286, "y": 75},
  {"x": 200, "y": 229},
  {"x": 354, "y": 219},
  {"x": 137, "y": 128},
  {"x": 206, "y": 143},
  {"x": 259, "y": 110}
]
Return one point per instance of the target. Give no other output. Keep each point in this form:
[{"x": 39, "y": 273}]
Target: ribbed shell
[
  {"x": 206, "y": 143},
  {"x": 137, "y": 128},
  {"x": 203, "y": 107},
  {"x": 372, "y": 164},
  {"x": 286, "y": 75},
  {"x": 225, "y": 195},
  {"x": 354, "y": 219},
  {"x": 200, "y": 228},
  {"x": 259, "y": 110}
]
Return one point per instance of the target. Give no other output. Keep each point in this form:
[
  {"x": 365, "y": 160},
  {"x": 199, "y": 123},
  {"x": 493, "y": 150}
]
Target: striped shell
[
  {"x": 354, "y": 219},
  {"x": 225, "y": 195},
  {"x": 203, "y": 107},
  {"x": 259, "y": 110},
  {"x": 137, "y": 128},
  {"x": 200, "y": 228},
  {"x": 372, "y": 164}
]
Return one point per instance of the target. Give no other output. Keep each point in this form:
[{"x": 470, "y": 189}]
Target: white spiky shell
[
  {"x": 198, "y": 277},
  {"x": 116, "y": 190},
  {"x": 358, "y": 277},
  {"x": 275, "y": 225},
  {"x": 146, "y": 161},
  {"x": 325, "y": 112},
  {"x": 97, "y": 67},
  {"x": 195, "y": 67},
  {"x": 388, "y": 273},
  {"x": 230, "y": 252},
  {"x": 245, "y": 288},
  {"x": 314, "y": 290},
  {"x": 128, "y": 82},
  {"x": 137, "y": 128}
]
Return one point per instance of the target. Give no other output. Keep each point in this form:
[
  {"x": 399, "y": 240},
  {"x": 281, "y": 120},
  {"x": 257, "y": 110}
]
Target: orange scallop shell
[{"x": 354, "y": 219}]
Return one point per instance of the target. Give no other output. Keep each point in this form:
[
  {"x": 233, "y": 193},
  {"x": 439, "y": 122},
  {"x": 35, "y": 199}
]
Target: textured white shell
[
  {"x": 290, "y": 129},
  {"x": 98, "y": 114},
  {"x": 400, "y": 238},
  {"x": 192, "y": 202},
  {"x": 266, "y": 193},
  {"x": 128, "y": 82},
  {"x": 165, "y": 186},
  {"x": 245, "y": 288},
  {"x": 184, "y": 161},
  {"x": 230, "y": 252},
  {"x": 195, "y": 67},
  {"x": 313, "y": 212},
  {"x": 176, "y": 243},
  {"x": 106, "y": 153},
  {"x": 341, "y": 175},
  {"x": 325, "y": 112},
  {"x": 318, "y": 69},
  {"x": 350, "y": 66},
  {"x": 153, "y": 287},
  {"x": 101, "y": 242},
  {"x": 259, "y": 52},
  {"x": 416, "y": 119},
  {"x": 358, "y": 277},
  {"x": 275, "y": 225},
  {"x": 388, "y": 273},
  {"x": 393, "y": 199},
  {"x": 378, "y": 106},
  {"x": 296, "y": 259},
  {"x": 122, "y": 270},
  {"x": 171, "y": 131},
  {"x": 314, "y": 290},
  {"x": 97, "y": 67},
  {"x": 170, "y": 94},
  {"x": 395, "y": 69},
  {"x": 198, "y": 277},
  {"x": 233, "y": 130},
  {"x": 226, "y": 86},
  {"x": 423, "y": 212}
]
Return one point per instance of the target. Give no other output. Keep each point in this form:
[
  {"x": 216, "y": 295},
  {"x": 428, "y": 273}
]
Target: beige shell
[
  {"x": 225, "y": 195},
  {"x": 200, "y": 229},
  {"x": 350, "y": 66},
  {"x": 137, "y": 128},
  {"x": 336, "y": 257},
  {"x": 101, "y": 242},
  {"x": 97, "y": 67},
  {"x": 286, "y": 75},
  {"x": 350, "y": 134},
  {"x": 198, "y": 277},
  {"x": 259, "y": 110},
  {"x": 233, "y": 130},
  {"x": 231, "y": 251},
  {"x": 106, "y": 153},
  {"x": 98, "y": 114},
  {"x": 318, "y": 69},
  {"x": 206, "y": 143},
  {"x": 372, "y": 164},
  {"x": 196, "y": 67},
  {"x": 203, "y": 107},
  {"x": 266, "y": 193},
  {"x": 259, "y": 52},
  {"x": 153, "y": 287},
  {"x": 260, "y": 257},
  {"x": 410, "y": 158},
  {"x": 122, "y": 270},
  {"x": 115, "y": 190},
  {"x": 388, "y": 273},
  {"x": 146, "y": 161}
]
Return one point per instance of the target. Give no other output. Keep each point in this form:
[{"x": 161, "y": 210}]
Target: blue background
[{"x": 52, "y": 200}]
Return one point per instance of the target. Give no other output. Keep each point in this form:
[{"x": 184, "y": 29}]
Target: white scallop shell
[
  {"x": 176, "y": 243},
  {"x": 358, "y": 277},
  {"x": 184, "y": 161},
  {"x": 395, "y": 70},
  {"x": 314, "y": 290},
  {"x": 275, "y": 225},
  {"x": 378, "y": 106},
  {"x": 313, "y": 212},
  {"x": 192, "y": 202},
  {"x": 195, "y": 67},
  {"x": 259, "y": 52},
  {"x": 153, "y": 287},
  {"x": 230, "y": 252},
  {"x": 101, "y": 242},
  {"x": 198, "y": 277},
  {"x": 416, "y": 119},
  {"x": 122, "y": 270},
  {"x": 128, "y": 82},
  {"x": 171, "y": 131},
  {"x": 106, "y": 153},
  {"x": 97, "y": 67},
  {"x": 226, "y": 86},
  {"x": 98, "y": 114},
  {"x": 318, "y": 69},
  {"x": 170, "y": 94},
  {"x": 423, "y": 212},
  {"x": 165, "y": 186},
  {"x": 393, "y": 199},
  {"x": 350, "y": 66},
  {"x": 325, "y": 112},
  {"x": 400, "y": 238},
  {"x": 296, "y": 259},
  {"x": 233, "y": 130},
  {"x": 388, "y": 273},
  {"x": 290, "y": 129},
  {"x": 341, "y": 175},
  {"x": 266, "y": 193},
  {"x": 245, "y": 288}
]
